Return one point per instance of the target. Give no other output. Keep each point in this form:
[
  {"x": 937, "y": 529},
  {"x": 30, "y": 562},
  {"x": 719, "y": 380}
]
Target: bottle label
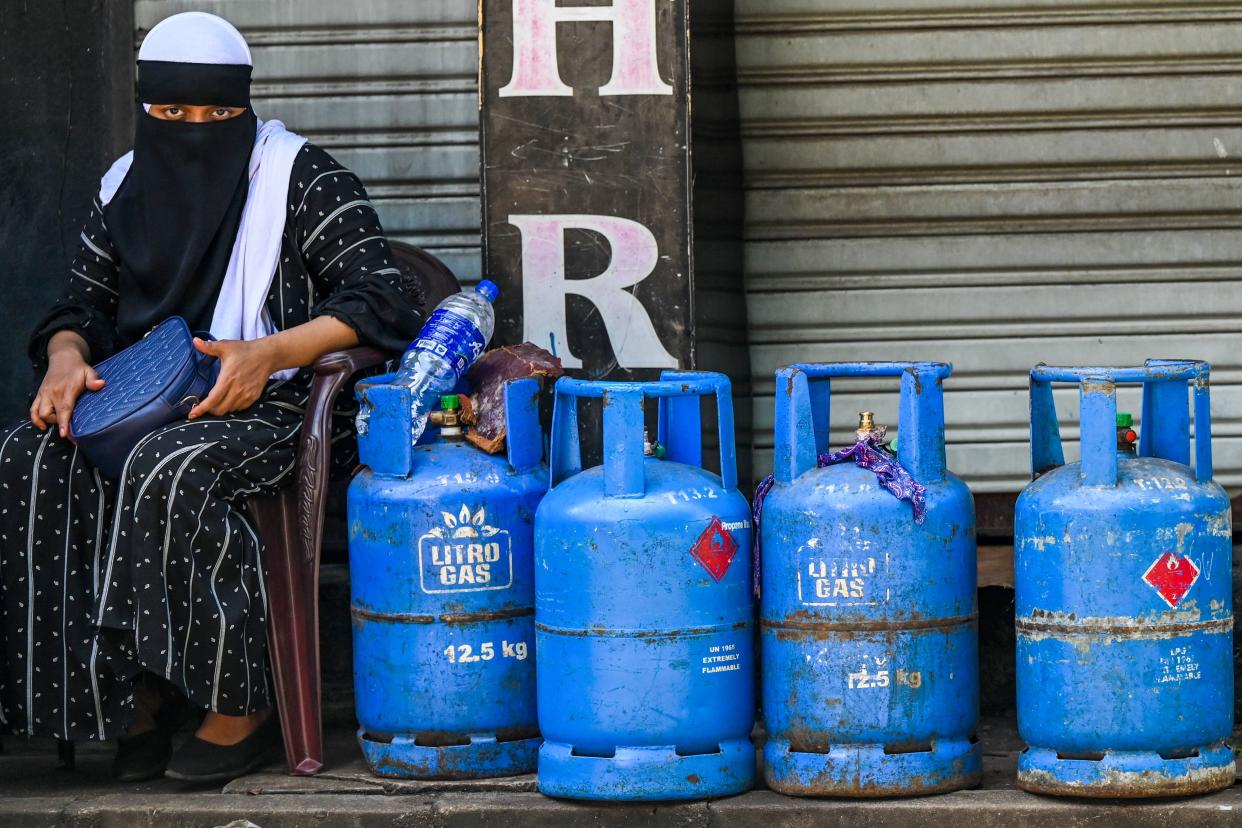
[{"x": 453, "y": 337}]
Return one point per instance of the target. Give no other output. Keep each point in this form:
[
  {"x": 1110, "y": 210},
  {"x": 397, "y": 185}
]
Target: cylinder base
[
  {"x": 483, "y": 758},
  {"x": 1126, "y": 773},
  {"x": 868, "y": 771},
  {"x": 646, "y": 773}
]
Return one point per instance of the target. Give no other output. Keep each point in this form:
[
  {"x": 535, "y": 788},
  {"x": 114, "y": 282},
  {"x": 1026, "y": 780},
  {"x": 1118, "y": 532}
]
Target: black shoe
[
  {"x": 145, "y": 756},
  {"x": 202, "y": 762},
  {"x": 142, "y": 757}
]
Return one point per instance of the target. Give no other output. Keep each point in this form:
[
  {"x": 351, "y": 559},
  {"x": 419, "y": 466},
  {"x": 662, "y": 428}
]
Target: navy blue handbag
[{"x": 154, "y": 382}]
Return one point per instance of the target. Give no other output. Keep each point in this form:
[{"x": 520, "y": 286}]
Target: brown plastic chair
[{"x": 291, "y": 526}]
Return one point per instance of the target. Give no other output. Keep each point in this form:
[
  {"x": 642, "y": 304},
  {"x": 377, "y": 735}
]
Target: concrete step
[
  {"x": 758, "y": 809},
  {"x": 33, "y": 794}
]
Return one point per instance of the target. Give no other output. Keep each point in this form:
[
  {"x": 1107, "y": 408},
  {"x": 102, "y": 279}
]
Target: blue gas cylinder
[
  {"x": 867, "y": 614},
  {"x": 643, "y": 602},
  {"x": 440, "y": 556},
  {"x": 1123, "y": 593}
]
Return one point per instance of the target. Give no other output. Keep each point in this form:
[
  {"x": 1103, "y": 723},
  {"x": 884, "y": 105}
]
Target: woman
[{"x": 114, "y": 593}]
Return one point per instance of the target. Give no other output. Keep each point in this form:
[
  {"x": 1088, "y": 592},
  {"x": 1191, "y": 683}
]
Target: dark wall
[{"x": 66, "y": 94}]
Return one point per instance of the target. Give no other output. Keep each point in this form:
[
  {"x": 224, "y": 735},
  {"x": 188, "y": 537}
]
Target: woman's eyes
[{"x": 195, "y": 114}]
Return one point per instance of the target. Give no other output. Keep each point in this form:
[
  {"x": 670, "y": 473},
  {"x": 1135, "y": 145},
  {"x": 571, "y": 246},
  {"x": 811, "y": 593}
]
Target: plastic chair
[{"x": 290, "y": 524}]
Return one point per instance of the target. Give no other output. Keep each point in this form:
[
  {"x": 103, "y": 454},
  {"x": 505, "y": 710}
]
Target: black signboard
[
  {"x": 594, "y": 207},
  {"x": 586, "y": 190}
]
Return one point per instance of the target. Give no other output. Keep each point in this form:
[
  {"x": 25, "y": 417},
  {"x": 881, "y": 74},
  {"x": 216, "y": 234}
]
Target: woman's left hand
[{"x": 245, "y": 366}]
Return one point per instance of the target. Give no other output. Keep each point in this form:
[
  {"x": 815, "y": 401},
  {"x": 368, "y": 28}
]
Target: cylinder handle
[
  {"x": 679, "y": 433},
  {"x": 1165, "y": 418}
]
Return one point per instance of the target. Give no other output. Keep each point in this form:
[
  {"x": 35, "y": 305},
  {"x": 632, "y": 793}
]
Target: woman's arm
[
  {"x": 246, "y": 365},
  {"x": 80, "y": 327},
  {"x": 363, "y": 296},
  {"x": 355, "y": 274}
]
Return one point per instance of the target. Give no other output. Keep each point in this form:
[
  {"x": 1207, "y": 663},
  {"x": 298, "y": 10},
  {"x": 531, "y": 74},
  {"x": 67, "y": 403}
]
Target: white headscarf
[
  {"x": 195, "y": 37},
  {"x": 241, "y": 308}
]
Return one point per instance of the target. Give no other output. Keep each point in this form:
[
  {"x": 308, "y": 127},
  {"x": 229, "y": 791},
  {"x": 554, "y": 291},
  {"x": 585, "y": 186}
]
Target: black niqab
[{"x": 175, "y": 217}]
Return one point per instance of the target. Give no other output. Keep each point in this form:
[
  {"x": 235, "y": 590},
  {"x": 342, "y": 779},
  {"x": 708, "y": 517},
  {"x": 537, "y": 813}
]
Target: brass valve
[
  {"x": 448, "y": 418},
  {"x": 866, "y": 425},
  {"x": 445, "y": 419}
]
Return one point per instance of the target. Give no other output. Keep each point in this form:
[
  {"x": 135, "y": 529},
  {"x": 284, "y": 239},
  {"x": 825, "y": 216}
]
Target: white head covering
[
  {"x": 241, "y": 308},
  {"x": 195, "y": 37}
]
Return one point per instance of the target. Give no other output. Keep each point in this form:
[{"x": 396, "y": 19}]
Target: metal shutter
[
  {"x": 993, "y": 184},
  {"x": 388, "y": 87}
]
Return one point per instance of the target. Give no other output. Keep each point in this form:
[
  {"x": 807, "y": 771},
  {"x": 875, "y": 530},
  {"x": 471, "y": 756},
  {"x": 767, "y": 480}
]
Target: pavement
[{"x": 35, "y": 793}]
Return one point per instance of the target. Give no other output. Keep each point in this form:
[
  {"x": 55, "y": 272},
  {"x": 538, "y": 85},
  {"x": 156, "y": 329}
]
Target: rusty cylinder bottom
[
  {"x": 1126, "y": 774},
  {"x": 482, "y": 756},
  {"x": 869, "y": 771}
]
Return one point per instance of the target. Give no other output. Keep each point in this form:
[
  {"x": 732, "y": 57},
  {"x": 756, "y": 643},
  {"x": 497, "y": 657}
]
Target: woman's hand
[
  {"x": 68, "y": 375},
  {"x": 245, "y": 366}
]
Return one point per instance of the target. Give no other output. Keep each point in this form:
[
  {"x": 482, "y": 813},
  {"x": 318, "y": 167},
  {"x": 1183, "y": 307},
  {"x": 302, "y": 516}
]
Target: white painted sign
[
  {"x": 544, "y": 287},
  {"x": 465, "y": 554},
  {"x": 536, "y": 69}
]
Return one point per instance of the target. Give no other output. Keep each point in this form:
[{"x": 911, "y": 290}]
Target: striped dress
[{"x": 162, "y": 570}]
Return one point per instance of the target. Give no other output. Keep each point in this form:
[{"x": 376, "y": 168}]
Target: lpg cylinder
[
  {"x": 1123, "y": 593},
  {"x": 643, "y": 601},
  {"x": 867, "y": 612},
  {"x": 440, "y": 552}
]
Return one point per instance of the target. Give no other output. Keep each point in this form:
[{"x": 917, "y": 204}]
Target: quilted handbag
[{"x": 150, "y": 384}]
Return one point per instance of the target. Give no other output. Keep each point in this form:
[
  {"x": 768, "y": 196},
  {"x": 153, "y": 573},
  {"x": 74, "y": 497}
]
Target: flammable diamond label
[
  {"x": 1172, "y": 577},
  {"x": 715, "y": 549}
]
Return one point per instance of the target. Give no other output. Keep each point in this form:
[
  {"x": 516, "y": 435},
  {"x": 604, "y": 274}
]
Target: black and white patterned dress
[{"x": 162, "y": 570}]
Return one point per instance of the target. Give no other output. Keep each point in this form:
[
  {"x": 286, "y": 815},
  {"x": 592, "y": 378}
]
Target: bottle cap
[
  {"x": 1124, "y": 419},
  {"x": 449, "y": 402},
  {"x": 488, "y": 288}
]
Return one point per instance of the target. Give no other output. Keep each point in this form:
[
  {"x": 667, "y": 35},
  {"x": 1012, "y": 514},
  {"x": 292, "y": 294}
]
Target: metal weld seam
[
  {"x": 619, "y": 633},
  {"x": 447, "y": 618},
  {"x": 1220, "y": 625},
  {"x": 869, "y": 626}
]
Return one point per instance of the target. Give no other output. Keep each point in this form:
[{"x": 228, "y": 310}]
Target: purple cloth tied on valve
[{"x": 868, "y": 453}]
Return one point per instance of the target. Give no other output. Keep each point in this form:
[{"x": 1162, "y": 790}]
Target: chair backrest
[{"x": 436, "y": 280}]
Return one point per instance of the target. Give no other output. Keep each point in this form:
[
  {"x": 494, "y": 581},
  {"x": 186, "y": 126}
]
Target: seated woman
[{"x": 114, "y": 594}]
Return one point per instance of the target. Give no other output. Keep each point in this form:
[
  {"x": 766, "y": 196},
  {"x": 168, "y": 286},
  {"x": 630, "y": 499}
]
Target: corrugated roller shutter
[
  {"x": 993, "y": 184},
  {"x": 387, "y": 86}
]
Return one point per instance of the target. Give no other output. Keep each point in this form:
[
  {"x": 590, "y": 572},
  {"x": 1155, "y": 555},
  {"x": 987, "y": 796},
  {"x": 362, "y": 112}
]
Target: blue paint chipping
[
  {"x": 1123, "y": 594},
  {"x": 440, "y": 549},
  {"x": 643, "y": 603},
  {"x": 868, "y": 619}
]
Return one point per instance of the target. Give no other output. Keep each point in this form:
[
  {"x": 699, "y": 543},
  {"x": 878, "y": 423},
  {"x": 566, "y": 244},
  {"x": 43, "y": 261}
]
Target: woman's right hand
[{"x": 68, "y": 375}]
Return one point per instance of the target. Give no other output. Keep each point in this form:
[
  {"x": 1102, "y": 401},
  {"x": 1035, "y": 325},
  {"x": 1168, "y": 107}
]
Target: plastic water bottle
[{"x": 453, "y": 337}]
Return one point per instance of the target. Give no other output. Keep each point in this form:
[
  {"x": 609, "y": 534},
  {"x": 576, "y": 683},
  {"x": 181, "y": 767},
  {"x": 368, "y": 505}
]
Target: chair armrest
[
  {"x": 349, "y": 362},
  {"x": 332, "y": 371}
]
